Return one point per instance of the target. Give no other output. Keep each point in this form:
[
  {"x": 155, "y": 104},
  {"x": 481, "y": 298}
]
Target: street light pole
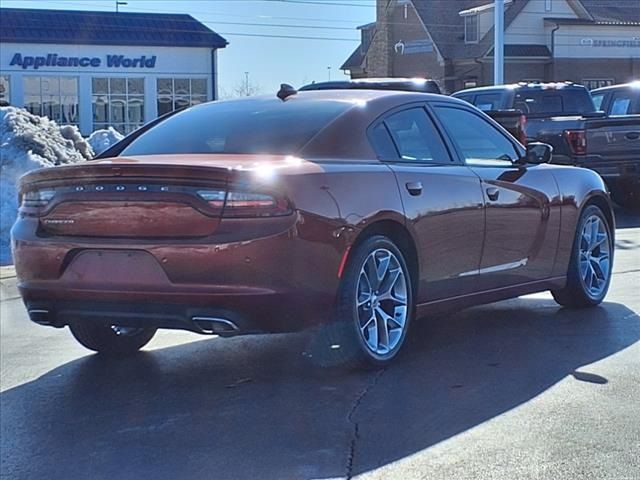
[
  {"x": 329, "y": 72},
  {"x": 118, "y": 3},
  {"x": 498, "y": 43},
  {"x": 246, "y": 83}
]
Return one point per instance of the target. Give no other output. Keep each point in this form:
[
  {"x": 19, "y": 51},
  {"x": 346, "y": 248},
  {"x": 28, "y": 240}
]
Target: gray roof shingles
[{"x": 21, "y": 25}]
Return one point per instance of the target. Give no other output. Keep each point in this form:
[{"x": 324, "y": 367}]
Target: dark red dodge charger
[{"x": 357, "y": 211}]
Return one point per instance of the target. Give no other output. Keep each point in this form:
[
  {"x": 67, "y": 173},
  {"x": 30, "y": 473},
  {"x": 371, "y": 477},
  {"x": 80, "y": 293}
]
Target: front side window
[
  {"x": 478, "y": 141},
  {"x": 415, "y": 136},
  {"x": 118, "y": 102},
  {"x": 174, "y": 93},
  {"x": 471, "y": 32},
  {"x": 5, "y": 93},
  {"x": 52, "y": 97},
  {"x": 621, "y": 104}
]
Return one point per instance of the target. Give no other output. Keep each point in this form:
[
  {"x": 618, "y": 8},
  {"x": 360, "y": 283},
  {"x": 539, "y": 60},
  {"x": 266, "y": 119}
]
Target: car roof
[
  {"x": 635, "y": 85},
  {"x": 356, "y": 96},
  {"x": 522, "y": 86},
  {"x": 424, "y": 85}
]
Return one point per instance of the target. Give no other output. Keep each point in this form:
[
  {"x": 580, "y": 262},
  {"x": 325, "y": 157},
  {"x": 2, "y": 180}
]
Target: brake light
[
  {"x": 37, "y": 198},
  {"x": 235, "y": 204},
  {"x": 522, "y": 133},
  {"x": 577, "y": 140}
]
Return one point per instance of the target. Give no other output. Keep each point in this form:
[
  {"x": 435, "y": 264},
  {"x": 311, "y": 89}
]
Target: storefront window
[
  {"x": 592, "y": 83},
  {"x": 176, "y": 93},
  {"x": 53, "y": 97},
  {"x": 5, "y": 93},
  {"x": 118, "y": 102}
]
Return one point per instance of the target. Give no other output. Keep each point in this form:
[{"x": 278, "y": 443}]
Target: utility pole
[
  {"x": 246, "y": 83},
  {"x": 118, "y": 3},
  {"x": 498, "y": 43}
]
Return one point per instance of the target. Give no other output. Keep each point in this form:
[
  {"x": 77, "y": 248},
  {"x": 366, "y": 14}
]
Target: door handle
[
  {"x": 493, "y": 193},
  {"x": 633, "y": 135},
  {"x": 414, "y": 188}
]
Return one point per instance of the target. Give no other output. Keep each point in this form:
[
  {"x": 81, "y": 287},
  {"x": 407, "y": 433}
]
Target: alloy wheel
[
  {"x": 381, "y": 302},
  {"x": 595, "y": 256}
]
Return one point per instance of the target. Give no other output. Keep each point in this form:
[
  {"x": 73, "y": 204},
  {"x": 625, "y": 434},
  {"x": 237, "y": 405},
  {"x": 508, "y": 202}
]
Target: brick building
[{"x": 594, "y": 42}]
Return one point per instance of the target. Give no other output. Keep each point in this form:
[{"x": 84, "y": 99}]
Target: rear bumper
[
  {"x": 227, "y": 318},
  {"x": 276, "y": 283}
]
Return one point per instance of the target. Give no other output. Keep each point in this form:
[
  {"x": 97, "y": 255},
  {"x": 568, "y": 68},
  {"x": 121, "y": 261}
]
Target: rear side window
[
  {"x": 416, "y": 137},
  {"x": 243, "y": 126},
  {"x": 466, "y": 98},
  {"x": 488, "y": 101}
]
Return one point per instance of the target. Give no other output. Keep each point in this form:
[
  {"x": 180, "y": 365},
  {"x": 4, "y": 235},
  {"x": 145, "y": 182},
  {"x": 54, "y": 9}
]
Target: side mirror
[{"x": 538, "y": 153}]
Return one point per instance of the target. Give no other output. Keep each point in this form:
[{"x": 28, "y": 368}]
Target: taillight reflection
[
  {"x": 236, "y": 204},
  {"x": 37, "y": 198}
]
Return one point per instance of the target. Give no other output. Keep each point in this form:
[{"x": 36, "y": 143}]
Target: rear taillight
[
  {"x": 522, "y": 130},
  {"x": 236, "y": 204},
  {"x": 36, "y": 198},
  {"x": 577, "y": 140}
]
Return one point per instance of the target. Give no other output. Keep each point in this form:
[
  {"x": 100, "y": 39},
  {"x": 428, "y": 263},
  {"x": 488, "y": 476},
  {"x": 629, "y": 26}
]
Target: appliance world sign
[{"x": 55, "y": 60}]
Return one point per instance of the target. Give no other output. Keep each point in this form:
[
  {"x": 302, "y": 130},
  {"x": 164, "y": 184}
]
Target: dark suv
[
  {"x": 405, "y": 84},
  {"x": 618, "y": 99}
]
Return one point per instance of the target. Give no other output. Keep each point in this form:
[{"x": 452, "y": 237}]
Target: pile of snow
[
  {"x": 28, "y": 142},
  {"x": 100, "y": 140}
]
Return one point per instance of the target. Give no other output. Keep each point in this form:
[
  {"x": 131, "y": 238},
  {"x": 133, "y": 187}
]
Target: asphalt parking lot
[{"x": 520, "y": 389}]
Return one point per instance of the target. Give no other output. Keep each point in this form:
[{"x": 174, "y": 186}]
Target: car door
[
  {"x": 442, "y": 199},
  {"x": 522, "y": 202}
]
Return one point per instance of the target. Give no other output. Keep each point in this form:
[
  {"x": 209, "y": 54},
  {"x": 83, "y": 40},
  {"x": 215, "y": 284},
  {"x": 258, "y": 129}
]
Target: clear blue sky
[{"x": 269, "y": 61}]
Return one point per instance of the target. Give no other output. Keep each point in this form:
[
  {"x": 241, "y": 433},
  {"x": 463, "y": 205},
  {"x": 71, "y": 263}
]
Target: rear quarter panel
[
  {"x": 334, "y": 204},
  {"x": 578, "y": 187}
]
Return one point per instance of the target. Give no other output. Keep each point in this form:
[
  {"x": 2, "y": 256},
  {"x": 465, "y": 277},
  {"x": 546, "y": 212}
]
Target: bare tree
[{"x": 242, "y": 88}]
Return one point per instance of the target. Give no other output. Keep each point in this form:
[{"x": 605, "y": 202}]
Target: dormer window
[{"x": 471, "y": 28}]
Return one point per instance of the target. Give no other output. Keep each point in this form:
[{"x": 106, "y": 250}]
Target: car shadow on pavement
[{"x": 256, "y": 407}]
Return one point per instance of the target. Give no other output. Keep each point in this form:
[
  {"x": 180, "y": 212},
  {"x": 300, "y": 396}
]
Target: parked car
[
  {"x": 423, "y": 85},
  {"x": 564, "y": 116},
  {"x": 355, "y": 211},
  {"x": 618, "y": 99}
]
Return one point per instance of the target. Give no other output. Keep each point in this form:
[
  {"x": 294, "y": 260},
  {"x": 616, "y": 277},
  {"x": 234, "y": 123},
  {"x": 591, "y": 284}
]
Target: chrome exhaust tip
[{"x": 40, "y": 316}]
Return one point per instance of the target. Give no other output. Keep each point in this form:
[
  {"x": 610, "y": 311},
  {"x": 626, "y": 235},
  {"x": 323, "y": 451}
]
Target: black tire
[
  {"x": 109, "y": 340},
  {"x": 575, "y": 293},
  {"x": 341, "y": 342}
]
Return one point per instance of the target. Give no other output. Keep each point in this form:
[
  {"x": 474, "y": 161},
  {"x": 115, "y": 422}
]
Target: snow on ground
[
  {"x": 28, "y": 142},
  {"x": 100, "y": 140}
]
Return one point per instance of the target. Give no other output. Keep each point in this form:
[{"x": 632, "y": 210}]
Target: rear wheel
[
  {"x": 111, "y": 339},
  {"x": 375, "y": 306},
  {"x": 591, "y": 262}
]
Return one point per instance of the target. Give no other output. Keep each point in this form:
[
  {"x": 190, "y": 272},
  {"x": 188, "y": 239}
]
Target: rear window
[
  {"x": 573, "y": 101},
  {"x": 244, "y": 126},
  {"x": 489, "y": 101}
]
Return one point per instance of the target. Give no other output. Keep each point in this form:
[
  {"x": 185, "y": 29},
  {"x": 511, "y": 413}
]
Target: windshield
[{"x": 259, "y": 125}]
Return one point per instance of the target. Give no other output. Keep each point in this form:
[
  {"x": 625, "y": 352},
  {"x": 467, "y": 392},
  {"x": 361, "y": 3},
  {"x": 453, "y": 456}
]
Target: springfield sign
[{"x": 55, "y": 60}]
